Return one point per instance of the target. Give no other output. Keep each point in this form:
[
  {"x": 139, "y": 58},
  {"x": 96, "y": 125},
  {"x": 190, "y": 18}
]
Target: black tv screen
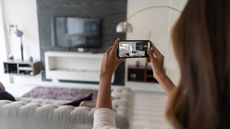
[{"x": 75, "y": 32}]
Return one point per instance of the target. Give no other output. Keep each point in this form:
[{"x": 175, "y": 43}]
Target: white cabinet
[{"x": 72, "y": 66}]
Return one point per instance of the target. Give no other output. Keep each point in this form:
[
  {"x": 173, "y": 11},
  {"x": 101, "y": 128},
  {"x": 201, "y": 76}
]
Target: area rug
[{"x": 59, "y": 93}]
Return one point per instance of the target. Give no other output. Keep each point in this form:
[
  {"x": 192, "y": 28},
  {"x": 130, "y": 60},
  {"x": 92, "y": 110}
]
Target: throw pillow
[
  {"x": 1, "y": 86},
  {"x": 77, "y": 102},
  {"x": 4, "y": 95}
]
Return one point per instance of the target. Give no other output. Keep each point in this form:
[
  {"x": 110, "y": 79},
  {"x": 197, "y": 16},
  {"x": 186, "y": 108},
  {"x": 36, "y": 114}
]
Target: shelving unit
[
  {"x": 140, "y": 73},
  {"x": 22, "y": 67}
]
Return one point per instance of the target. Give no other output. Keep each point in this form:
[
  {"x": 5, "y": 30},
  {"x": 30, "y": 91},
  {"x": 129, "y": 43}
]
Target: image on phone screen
[{"x": 133, "y": 49}]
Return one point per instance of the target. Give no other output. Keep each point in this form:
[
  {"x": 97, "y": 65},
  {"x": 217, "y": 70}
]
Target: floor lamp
[{"x": 125, "y": 26}]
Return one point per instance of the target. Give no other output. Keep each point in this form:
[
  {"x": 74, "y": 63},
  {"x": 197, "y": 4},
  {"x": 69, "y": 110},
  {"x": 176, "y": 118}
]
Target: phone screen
[{"x": 133, "y": 48}]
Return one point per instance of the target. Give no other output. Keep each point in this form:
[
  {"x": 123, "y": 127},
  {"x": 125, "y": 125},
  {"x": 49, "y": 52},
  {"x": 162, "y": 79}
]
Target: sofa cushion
[
  {"x": 78, "y": 101},
  {"x": 4, "y": 95}
]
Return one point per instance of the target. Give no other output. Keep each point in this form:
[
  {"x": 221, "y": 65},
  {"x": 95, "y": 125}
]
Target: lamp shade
[{"x": 124, "y": 27}]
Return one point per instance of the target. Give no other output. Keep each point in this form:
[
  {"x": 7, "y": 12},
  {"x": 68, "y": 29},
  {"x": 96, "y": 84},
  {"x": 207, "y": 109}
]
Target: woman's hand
[
  {"x": 157, "y": 61},
  {"x": 110, "y": 60}
]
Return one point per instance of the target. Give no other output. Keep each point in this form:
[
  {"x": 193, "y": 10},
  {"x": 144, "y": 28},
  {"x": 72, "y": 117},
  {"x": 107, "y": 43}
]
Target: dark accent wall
[{"x": 109, "y": 11}]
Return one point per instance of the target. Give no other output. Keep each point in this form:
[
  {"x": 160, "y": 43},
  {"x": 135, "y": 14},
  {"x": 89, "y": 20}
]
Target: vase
[{"x": 21, "y": 49}]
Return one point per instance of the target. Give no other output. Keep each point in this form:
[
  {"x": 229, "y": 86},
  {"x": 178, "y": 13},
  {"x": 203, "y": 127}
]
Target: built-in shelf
[
  {"x": 72, "y": 66},
  {"x": 22, "y": 67},
  {"x": 140, "y": 73}
]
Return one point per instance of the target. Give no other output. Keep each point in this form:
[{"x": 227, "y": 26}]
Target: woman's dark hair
[{"x": 201, "y": 40}]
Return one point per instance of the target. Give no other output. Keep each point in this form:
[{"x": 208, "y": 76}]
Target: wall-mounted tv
[{"x": 76, "y": 32}]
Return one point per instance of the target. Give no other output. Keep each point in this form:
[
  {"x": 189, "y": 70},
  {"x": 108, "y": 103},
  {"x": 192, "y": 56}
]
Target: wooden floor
[{"x": 149, "y": 111}]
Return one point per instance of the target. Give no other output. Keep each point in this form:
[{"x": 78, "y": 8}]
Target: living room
[{"x": 37, "y": 62}]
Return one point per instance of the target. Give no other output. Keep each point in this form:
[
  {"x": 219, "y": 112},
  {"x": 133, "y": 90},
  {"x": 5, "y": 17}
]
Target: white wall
[
  {"x": 24, "y": 14},
  {"x": 151, "y": 24},
  {"x": 3, "y": 46},
  {"x": 156, "y": 24}
]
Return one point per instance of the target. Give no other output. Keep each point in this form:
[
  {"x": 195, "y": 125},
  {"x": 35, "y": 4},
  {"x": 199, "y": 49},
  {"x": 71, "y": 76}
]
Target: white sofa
[{"x": 27, "y": 113}]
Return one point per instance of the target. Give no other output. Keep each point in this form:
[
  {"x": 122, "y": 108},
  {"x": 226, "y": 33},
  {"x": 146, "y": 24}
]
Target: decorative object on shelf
[
  {"x": 11, "y": 57},
  {"x": 31, "y": 59},
  {"x": 19, "y": 34},
  {"x": 125, "y": 26},
  {"x": 138, "y": 63}
]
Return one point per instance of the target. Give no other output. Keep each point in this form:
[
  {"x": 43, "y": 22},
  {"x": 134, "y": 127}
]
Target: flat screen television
[{"x": 76, "y": 32}]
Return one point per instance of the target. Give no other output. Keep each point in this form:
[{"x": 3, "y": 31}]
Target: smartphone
[{"x": 133, "y": 48}]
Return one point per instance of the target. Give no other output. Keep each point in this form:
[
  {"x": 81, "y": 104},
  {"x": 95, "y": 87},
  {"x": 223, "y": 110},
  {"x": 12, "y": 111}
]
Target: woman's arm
[
  {"x": 165, "y": 82},
  {"x": 104, "y": 117},
  {"x": 104, "y": 92},
  {"x": 157, "y": 62},
  {"x": 109, "y": 65}
]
